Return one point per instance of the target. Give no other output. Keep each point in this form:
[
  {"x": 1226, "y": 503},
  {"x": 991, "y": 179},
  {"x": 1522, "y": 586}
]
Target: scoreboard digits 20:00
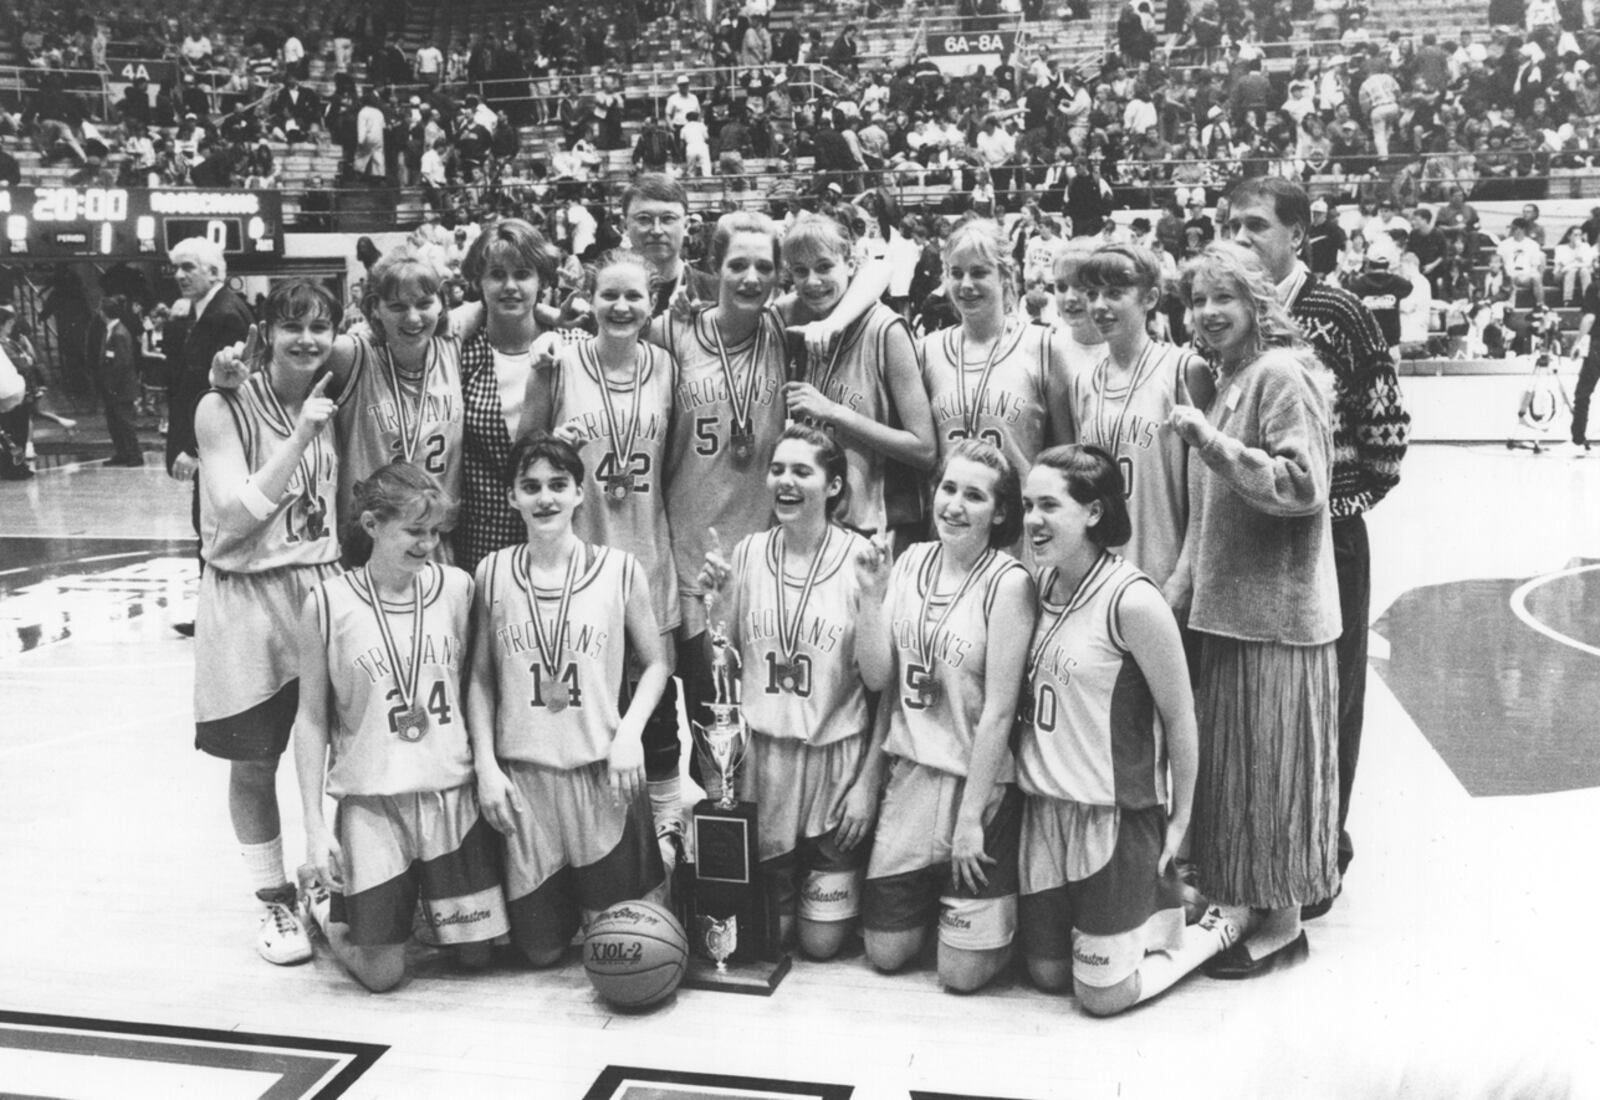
[{"x": 128, "y": 222}]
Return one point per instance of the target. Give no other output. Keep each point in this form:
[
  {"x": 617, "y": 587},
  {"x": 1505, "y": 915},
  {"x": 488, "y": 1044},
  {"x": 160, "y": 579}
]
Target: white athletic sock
[
  {"x": 1161, "y": 969},
  {"x": 665, "y": 799},
  {"x": 264, "y": 862}
]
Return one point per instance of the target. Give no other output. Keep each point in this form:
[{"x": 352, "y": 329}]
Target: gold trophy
[{"x": 728, "y": 906}]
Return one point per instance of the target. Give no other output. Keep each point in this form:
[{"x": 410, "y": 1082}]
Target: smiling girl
[
  {"x": 793, "y": 601},
  {"x": 1259, "y": 560},
  {"x": 268, "y": 475},
  {"x": 993, "y": 377},
  {"x": 1121, "y": 404},
  {"x": 728, "y": 401},
  {"x": 944, "y": 635},
  {"x": 382, "y": 730},
  {"x": 511, "y": 263},
  {"x": 613, "y": 398},
  {"x": 866, "y": 391},
  {"x": 560, "y": 765},
  {"x": 1110, "y": 716},
  {"x": 398, "y": 388}
]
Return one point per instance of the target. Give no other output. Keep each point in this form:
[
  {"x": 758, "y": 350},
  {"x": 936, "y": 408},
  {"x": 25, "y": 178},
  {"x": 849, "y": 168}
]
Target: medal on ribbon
[
  {"x": 316, "y": 515},
  {"x": 621, "y": 483},
  {"x": 313, "y": 510},
  {"x": 789, "y": 671},
  {"x": 1142, "y": 369},
  {"x": 742, "y": 397},
  {"x": 925, "y": 681},
  {"x": 1086, "y": 588},
  {"x": 972, "y": 408},
  {"x": 410, "y": 719},
  {"x": 410, "y": 426},
  {"x": 557, "y": 694}
]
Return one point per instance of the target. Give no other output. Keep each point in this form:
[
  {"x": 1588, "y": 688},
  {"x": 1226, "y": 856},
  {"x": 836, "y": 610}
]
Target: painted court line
[{"x": 1519, "y": 608}]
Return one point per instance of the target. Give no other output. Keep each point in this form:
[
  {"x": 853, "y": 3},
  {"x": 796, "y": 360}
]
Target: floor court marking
[
  {"x": 1519, "y": 608},
  {"x": 302, "y": 1068}
]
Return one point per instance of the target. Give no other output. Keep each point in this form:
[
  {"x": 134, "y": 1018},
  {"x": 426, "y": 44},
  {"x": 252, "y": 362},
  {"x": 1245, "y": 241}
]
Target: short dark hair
[
  {"x": 1290, "y": 203},
  {"x": 654, "y": 187},
  {"x": 1092, "y": 475},
  {"x": 517, "y": 238},
  {"x": 542, "y": 445}
]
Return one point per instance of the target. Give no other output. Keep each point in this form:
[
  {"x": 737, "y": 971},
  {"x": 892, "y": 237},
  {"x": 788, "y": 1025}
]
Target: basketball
[{"x": 635, "y": 954}]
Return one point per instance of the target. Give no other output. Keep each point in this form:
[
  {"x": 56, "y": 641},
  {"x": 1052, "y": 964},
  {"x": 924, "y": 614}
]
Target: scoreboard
[{"x": 132, "y": 222}]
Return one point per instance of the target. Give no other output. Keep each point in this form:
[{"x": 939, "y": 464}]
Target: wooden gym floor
[{"x": 1457, "y": 959}]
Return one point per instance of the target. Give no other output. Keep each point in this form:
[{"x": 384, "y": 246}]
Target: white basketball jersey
[{"x": 371, "y": 753}]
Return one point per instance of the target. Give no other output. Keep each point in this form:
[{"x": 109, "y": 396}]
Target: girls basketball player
[
  {"x": 1077, "y": 328},
  {"x": 994, "y": 377},
  {"x": 268, "y": 480},
  {"x": 560, "y": 768},
  {"x": 1122, "y": 402},
  {"x": 399, "y": 387},
  {"x": 728, "y": 401},
  {"x": 866, "y": 391},
  {"x": 944, "y": 635},
  {"x": 793, "y": 601},
  {"x": 381, "y": 729},
  {"x": 612, "y": 397},
  {"x": 1111, "y": 710}
]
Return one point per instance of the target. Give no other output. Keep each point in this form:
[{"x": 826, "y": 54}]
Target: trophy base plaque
[
  {"x": 758, "y": 979},
  {"x": 730, "y": 920}
]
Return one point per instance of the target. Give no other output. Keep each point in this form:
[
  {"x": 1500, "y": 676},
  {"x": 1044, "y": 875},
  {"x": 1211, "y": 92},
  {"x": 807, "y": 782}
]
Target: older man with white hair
[{"x": 217, "y": 317}]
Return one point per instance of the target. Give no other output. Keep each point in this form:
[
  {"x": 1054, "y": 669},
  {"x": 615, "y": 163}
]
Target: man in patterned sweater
[{"x": 1271, "y": 217}]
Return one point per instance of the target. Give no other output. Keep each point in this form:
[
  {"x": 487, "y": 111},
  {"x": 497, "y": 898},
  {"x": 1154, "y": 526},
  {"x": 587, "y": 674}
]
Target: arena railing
[{"x": 763, "y": 187}]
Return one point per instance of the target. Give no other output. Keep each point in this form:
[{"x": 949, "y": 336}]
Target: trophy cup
[{"x": 730, "y": 920}]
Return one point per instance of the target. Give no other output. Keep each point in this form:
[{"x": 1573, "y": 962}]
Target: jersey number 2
[{"x": 438, "y": 706}]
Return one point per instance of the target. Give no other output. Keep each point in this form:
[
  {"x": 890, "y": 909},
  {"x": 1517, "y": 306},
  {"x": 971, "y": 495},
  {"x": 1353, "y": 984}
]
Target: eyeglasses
[{"x": 654, "y": 221}]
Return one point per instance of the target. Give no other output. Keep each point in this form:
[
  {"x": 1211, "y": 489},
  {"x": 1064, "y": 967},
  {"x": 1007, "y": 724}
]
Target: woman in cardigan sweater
[
  {"x": 510, "y": 263},
  {"x": 1259, "y": 559}
]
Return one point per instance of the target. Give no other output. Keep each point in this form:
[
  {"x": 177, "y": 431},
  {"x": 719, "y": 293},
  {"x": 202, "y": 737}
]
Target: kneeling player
[
  {"x": 795, "y": 598},
  {"x": 945, "y": 636},
  {"x": 1111, "y": 708},
  {"x": 381, "y": 650},
  {"x": 560, "y": 770}
]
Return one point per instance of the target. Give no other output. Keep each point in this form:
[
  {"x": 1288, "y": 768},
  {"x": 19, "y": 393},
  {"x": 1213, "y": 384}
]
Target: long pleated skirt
[{"x": 1266, "y": 811}]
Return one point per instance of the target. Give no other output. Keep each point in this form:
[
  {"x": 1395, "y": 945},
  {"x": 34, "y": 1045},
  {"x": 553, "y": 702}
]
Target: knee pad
[
  {"x": 830, "y": 896},
  {"x": 977, "y": 924}
]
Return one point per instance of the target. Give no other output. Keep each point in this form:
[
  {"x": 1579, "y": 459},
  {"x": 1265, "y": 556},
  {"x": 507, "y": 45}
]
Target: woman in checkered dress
[{"x": 511, "y": 263}]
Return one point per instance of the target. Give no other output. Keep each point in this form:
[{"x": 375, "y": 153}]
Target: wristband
[{"x": 255, "y": 501}]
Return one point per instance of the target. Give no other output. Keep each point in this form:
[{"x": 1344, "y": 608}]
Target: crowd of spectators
[{"x": 1165, "y": 121}]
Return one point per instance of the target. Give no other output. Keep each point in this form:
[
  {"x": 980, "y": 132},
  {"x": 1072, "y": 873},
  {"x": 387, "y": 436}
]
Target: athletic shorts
[
  {"x": 577, "y": 850},
  {"x": 1092, "y": 869},
  {"x": 247, "y": 660},
  {"x": 428, "y": 844},
  {"x": 909, "y": 877},
  {"x": 800, "y": 791}
]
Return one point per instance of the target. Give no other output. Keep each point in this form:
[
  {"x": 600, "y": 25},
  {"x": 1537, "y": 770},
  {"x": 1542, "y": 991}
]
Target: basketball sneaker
[
  {"x": 282, "y": 939},
  {"x": 314, "y": 902}
]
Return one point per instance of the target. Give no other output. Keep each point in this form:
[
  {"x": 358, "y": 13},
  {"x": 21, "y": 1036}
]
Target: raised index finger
[
  {"x": 322, "y": 384},
  {"x": 716, "y": 542},
  {"x": 252, "y": 342}
]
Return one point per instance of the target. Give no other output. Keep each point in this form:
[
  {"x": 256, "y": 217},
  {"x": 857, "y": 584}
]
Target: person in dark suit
[
  {"x": 116, "y": 360},
  {"x": 217, "y": 317}
]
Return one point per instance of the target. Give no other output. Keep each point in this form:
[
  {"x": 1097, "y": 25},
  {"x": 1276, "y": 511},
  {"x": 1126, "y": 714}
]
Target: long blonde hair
[{"x": 1227, "y": 262}]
